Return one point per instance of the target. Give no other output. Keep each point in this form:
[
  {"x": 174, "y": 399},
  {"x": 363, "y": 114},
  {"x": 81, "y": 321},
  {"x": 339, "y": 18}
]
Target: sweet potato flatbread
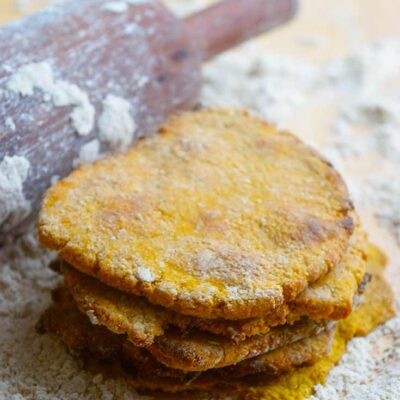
[
  {"x": 97, "y": 343},
  {"x": 197, "y": 351},
  {"x": 219, "y": 216},
  {"x": 331, "y": 298},
  {"x": 82, "y": 337}
]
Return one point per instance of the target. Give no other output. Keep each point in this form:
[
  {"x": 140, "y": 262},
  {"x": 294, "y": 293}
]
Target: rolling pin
[{"x": 97, "y": 75}]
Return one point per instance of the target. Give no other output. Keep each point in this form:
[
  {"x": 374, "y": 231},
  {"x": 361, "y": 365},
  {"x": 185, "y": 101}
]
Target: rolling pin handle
[{"x": 212, "y": 27}]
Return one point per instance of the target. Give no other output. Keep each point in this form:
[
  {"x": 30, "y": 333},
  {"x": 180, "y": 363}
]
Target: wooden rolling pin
[{"x": 103, "y": 72}]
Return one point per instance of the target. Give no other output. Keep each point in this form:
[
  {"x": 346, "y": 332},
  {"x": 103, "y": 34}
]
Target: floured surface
[{"x": 370, "y": 369}]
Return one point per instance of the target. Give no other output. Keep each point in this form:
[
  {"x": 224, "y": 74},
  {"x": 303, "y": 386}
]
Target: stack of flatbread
[{"x": 219, "y": 249}]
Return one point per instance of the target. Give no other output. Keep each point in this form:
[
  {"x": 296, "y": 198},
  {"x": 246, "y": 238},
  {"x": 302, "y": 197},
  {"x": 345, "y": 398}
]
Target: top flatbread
[{"x": 219, "y": 216}]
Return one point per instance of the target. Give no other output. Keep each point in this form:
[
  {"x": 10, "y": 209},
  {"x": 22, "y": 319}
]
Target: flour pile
[{"x": 278, "y": 87}]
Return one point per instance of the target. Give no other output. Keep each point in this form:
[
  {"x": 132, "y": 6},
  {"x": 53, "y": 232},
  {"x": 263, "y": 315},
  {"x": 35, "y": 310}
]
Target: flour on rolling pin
[
  {"x": 116, "y": 125},
  {"x": 88, "y": 153},
  {"x": 121, "y": 6},
  {"x": 13, "y": 205},
  {"x": 62, "y": 93}
]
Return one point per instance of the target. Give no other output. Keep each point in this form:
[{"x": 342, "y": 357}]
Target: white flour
[
  {"x": 116, "y": 6},
  {"x": 10, "y": 124},
  {"x": 116, "y": 124},
  {"x": 61, "y": 93},
  {"x": 369, "y": 123},
  {"x": 88, "y": 153},
  {"x": 122, "y": 5},
  {"x": 272, "y": 85},
  {"x": 370, "y": 368},
  {"x": 13, "y": 205},
  {"x": 278, "y": 87}
]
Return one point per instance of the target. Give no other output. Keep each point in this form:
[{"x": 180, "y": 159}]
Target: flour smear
[
  {"x": 365, "y": 129},
  {"x": 62, "y": 93}
]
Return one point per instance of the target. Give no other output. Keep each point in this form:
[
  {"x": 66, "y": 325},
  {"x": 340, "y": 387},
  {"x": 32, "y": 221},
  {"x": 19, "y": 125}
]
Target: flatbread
[
  {"x": 329, "y": 298},
  {"x": 219, "y": 216},
  {"x": 200, "y": 351},
  {"x": 95, "y": 343},
  {"x": 81, "y": 337},
  {"x": 143, "y": 321},
  {"x": 197, "y": 351}
]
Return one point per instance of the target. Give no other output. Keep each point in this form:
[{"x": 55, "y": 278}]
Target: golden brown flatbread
[
  {"x": 81, "y": 337},
  {"x": 331, "y": 298},
  {"x": 97, "y": 343},
  {"x": 197, "y": 351},
  {"x": 219, "y": 216},
  {"x": 143, "y": 321}
]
